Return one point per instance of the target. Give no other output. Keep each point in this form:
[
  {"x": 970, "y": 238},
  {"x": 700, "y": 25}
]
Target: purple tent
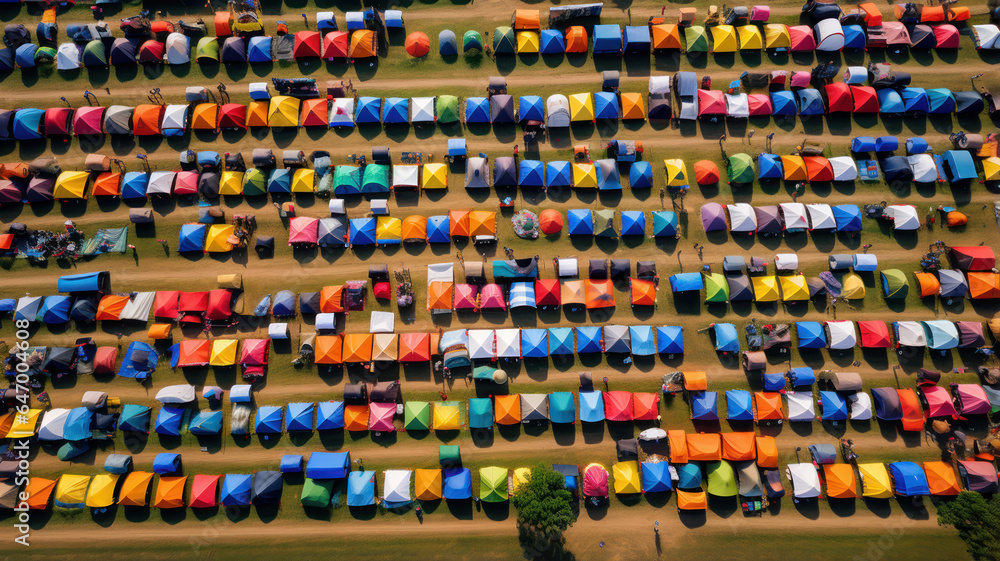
[
  {"x": 713, "y": 217},
  {"x": 970, "y": 334},
  {"x": 768, "y": 219}
]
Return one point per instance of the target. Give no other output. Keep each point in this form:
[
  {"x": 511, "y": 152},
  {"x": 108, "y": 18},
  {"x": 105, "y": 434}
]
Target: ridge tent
[
  {"x": 503, "y": 41},
  {"x": 607, "y": 39}
]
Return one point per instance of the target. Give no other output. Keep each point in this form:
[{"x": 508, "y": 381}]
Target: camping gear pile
[{"x": 525, "y": 224}]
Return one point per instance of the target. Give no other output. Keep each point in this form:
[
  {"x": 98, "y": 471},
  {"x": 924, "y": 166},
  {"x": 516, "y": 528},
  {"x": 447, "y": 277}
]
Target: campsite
[{"x": 328, "y": 278}]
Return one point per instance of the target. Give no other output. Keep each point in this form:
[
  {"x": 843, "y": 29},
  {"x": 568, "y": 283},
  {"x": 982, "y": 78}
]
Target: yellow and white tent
[
  {"x": 434, "y": 176},
  {"x": 581, "y": 107}
]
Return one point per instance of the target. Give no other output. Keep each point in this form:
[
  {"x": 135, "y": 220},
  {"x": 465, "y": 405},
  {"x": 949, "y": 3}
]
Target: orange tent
[
  {"x": 983, "y": 285},
  {"x": 941, "y": 478},
  {"x": 110, "y": 307},
  {"x": 576, "y": 40},
  {"x": 599, "y": 294},
  {"x": 39, "y": 490},
  {"x": 695, "y": 381},
  {"x": 108, "y": 184},
  {"x": 135, "y": 489},
  {"x": 526, "y": 19},
  {"x": 571, "y": 292},
  {"x": 692, "y": 500},
  {"x": 414, "y": 347},
  {"x": 767, "y": 452},
  {"x": 205, "y": 117},
  {"x": 706, "y": 172},
  {"x": 357, "y": 347},
  {"x": 678, "y": 446},
  {"x": 642, "y": 292},
  {"x": 459, "y": 220},
  {"x": 508, "y": 409},
  {"x": 738, "y": 446},
  {"x": 194, "y": 352},
  {"x": 170, "y": 492},
  {"x": 159, "y": 331},
  {"x": 223, "y": 24},
  {"x": 257, "y": 113},
  {"x": 873, "y": 17},
  {"x": 146, "y": 120},
  {"x": 913, "y": 416},
  {"x": 633, "y": 106},
  {"x": 841, "y": 483},
  {"x": 929, "y": 284},
  {"x": 314, "y": 113},
  {"x": 329, "y": 349},
  {"x": 439, "y": 295},
  {"x": 415, "y": 228},
  {"x": 704, "y": 447},
  {"x": 666, "y": 36},
  {"x": 767, "y": 406},
  {"x": 363, "y": 44},
  {"x": 482, "y": 223},
  {"x": 417, "y": 44},
  {"x": 356, "y": 417},
  {"x": 819, "y": 168},
  {"x": 794, "y": 168},
  {"x": 427, "y": 484},
  {"x": 331, "y": 299}
]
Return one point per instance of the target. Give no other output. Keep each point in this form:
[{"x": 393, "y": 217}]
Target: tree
[
  {"x": 544, "y": 512},
  {"x": 977, "y": 522}
]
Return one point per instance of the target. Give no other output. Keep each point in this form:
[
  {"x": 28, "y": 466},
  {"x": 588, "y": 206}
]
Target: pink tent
[
  {"x": 254, "y": 352},
  {"x": 711, "y": 102},
  {"x": 186, "y": 183},
  {"x": 303, "y": 229},
  {"x": 492, "y": 298},
  {"x": 802, "y": 38},
  {"x": 595, "y": 481},
  {"x": 465, "y": 297},
  {"x": 970, "y": 399},
  {"x": 938, "y": 402},
  {"x": 946, "y": 36},
  {"x": 88, "y": 120},
  {"x": 380, "y": 416},
  {"x": 800, "y": 79},
  {"x": 760, "y": 105},
  {"x": 896, "y": 33},
  {"x": 713, "y": 217}
]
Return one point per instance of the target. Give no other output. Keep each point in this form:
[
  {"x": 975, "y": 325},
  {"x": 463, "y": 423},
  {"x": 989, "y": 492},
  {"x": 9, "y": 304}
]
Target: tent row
[
  {"x": 447, "y": 296},
  {"x": 776, "y": 219},
  {"x": 186, "y": 307},
  {"x": 885, "y": 481},
  {"x": 388, "y": 230}
]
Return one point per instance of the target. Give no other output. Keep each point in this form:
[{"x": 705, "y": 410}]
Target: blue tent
[
  {"x": 887, "y": 404},
  {"x": 562, "y": 408},
  {"x": 640, "y": 175},
  {"x": 83, "y": 282},
  {"x": 206, "y": 423},
  {"x": 915, "y": 100},
  {"x": 531, "y": 173},
  {"x": 447, "y": 44},
  {"x": 259, "y": 49},
  {"x": 24, "y": 56},
  {"x": 393, "y": 18},
  {"x": 607, "y": 39},
  {"x": 655, "y": 477},
  {"x": 168, "y": 421},
  {"x": 863, "y": 144},
  {"x": 637, "y": 39},
  {"x": 299, "y": 417},
  {"x": 916, "y": 145},
  {"x": 284, "y": 304},
  {"x": 166, "y": 463},
  {"x": 477, "y": 110},
  {"x": 551, "y": 42},
  {"x": 688, "y": 475},
  {"x": 801, "y": 376},
  {"x": 738, "y": 405},
  {"x": 236, "y": 489},
  {"x": 810, "y": 335},
  {"x": 886, "y": 144},
  {"x": 908, "y": 480},
  {"x": 810, "y": 102},
  {"x": 457, "y": 483},
  {"x": 55, "y": 309},
  {"x": 664, "y": 223},
  {"x": 267, "y": 486},
  {"x": 726, "y": 338},
  {"x": 684, "y": 282},
  {"x": 783, "y": 103},
  {"x": 834, "y": 406},
  {"x": 363, "y": 231},
  {"x": 703, "y": 406},
  {"x": 375, "y": 179},
  {"x": 896, "y": 168},
  {"x": 531, "y": 108},
  {"x": 940, "y": 101},
  {"x": 560, "y": 340},
  {"x": 643, "y": 340},
  {"x": 958, "y": 165},
  {"x": 328, "y": 465},
  {"x": 534, "y": 343},
  {"x": 192, "y": 237},
  {"x": 280, "y": 181},
  {"x": 361, "y": 488},
  {"x": 369, "y": 110},
  {"x": 28, "y": 124},
  {"x": 134, "y": 418},
  {"x": 773, "y": 381},
  {"x": 558, "y": 174},
  {"x": 291, "y": 463},
  {"x": 134, "y": 365},
  {"x": 347, "y": 180},
  {"x": 606, "y": 106},
  {"x": 438, "y": 229},
  {"x": 591, "y": 407},
  {"x": 633, "y": 223},
  {"x": 480, "y": 413},
  {"x": 588, "y": 339},
  {"x": 581, "y": 222},
  {"x": 134, "y": 185},
  {"x": 6, "y": 59},
  {"x": 268, "y": 420},
  {"x": 330, "y": 415},
  {"x": 890, "y": 102},
  {"x": 77, "y": 426},
  {"x": 848, "y": 218},
  {"x": 396, "y": 110},
  {"x": 670, "y": 339},
  {"x": 769, "y": 167},
  {"x": 854, "y": 37}
]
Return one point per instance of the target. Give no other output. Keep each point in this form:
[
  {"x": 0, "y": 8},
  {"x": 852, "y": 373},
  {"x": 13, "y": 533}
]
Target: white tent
[
  {"x": 844, "y": 168},
  {"x": 342, "y": 112},
  {"x": 161, "y": 183},
  {"x": 379, "y": 206},
  {"x": 804, "y": 479},
  {"x": 406, "y": 176},
  {"x": 382, "y": 322},
  {"x": 137, "y": 309},
  {"x": 904, "y": 217},
  {"x": 181, "y": 393},
  {"x": 397, "y": 486},
  {"x": 567, "y": 267},
  {"x": 910, "y": 334},
  {"x": 987, "y": 35},
  {"x": 68, "y": 57},
  {"x": 794, "y": 215},
  {"x": 328, "y": 321},
  {"x": 924, "y": 169},
  {"x": 558, "y": 109},
  {"x": 829, "y": 35},
  {"x": 260, "y": 92},
  {"x": 865, "y": 262},
  {"x": 27, "y": 307},
  {"x": 742, "y": 218},
  {"x": 94, "y": 399},
  {"x": 841, "y": 334},
  {"x": 277, "y": 331},
  {"x": 689, "y": 108},
  {"x": 178, "y": 48},
  {"x": 436, "y": 273},
  {"x": 861, "y": 406},
  {"x": 800, "y": 406},
  {"x": 482, "y": 343},
  {"x": 53, "y": 424},
  {"x": 508, "y": 344},
  {"x": 477, "y": 173},
  {"x": 659, "y": 85},
  {"x": 856, "y": 75},
  {"x": 786, "y": 261},
  {"x": 534, "y": 407},
  {"x": 337, "y": 206},
  {"x": 738, "y": 105},
  {"x": 174, "y": 117},
  {"x": 422, "y": 110},
  {"x": 821, "y": 216}
]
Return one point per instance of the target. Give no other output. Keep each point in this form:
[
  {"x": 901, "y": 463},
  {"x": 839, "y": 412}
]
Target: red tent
[
  {"x": 314, "y": 112},
  {"x": 973, "y": 258},
  {"x": 335, "y": 44},
  {"x": 865, "y": 99},
  {"x": 547, "y": 292},
  {"x": 645, "y": 406},
  {"x": 711, "y": 102},
  {"x": 938, "y": 402},
  {"x": 306, "y": 44},
  {"x": 192, "y": 305},
  {"x": 874, "y": 335},
  {"x": 551, "y": 221},
  {"x": 947, "y": 36},
  {"x": 58, "y": 121},
  {"x": 819, "y": 168},
  {"x": 706, "y": 172},
  {"x": 165, "y": 305},
  {"x": 194, "y": 352},
  {"x": 233, "y": 116},
  {"x": 802, "y": 38},
  {"x": 146, "y": 120},
  {"x": 913, "y": 417},
  {"x": 414, "y": 347},
  {"x": 220, "y": 304},
  {"x": 417, "y": 44},
  {"x": 838, "y": 98},
  {"x": 108, "y": 184},
  {"x": 186, "y": 183},
  {"x": 105, "y": 359},
  {"x": 88, "y": 120},
  {"x": 595, "y": 481},
  {"x": 204, "y": 491},
  {"x": 254, "y": 352},
  {"x": 151, "y": 51},
  {"x": 760, "y": 105},
  {"x": 618, "y": 406}
]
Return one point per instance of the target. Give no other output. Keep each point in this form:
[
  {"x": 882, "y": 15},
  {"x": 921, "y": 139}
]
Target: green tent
[
  {"x": 716, "y": 288},
  {"x": 696, "y": 39},
  {"x": 254, "y": 183},
  {"x": 721, "y": 479},
  {"x": 472, "y": 40},
  {"x": 375, "y": 179},
  {"x": 417, "y": 415},
  {"x": 45, "y": 54},
  {"x": 503, "y": 41},
  {"x": 446, "y": 108},
  {"x": 493, "y": 485},
  {"x": 208, "y": 49},
  {"x": 317, "y": 493},
  {"x": 894, "y": 283},
  {"x": 347, "y": 180},
  {"x": 449, "y": 455},
  {"x": 94, "y": 54},
  {"x": 604, "y": 223},
  {"x": 741, "y": 168}
]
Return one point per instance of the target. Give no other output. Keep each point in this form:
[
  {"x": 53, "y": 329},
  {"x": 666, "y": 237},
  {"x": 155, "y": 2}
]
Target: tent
[
  {"x": 908, "y": 479},
  {"x": 364, "y": 44},
  {"x": 493, "y": 484},
  {"x": 977, "y": 476},
  {"x": 941, "y": 478},
  {"x": 958, "y": 165},
  {"x": 456, "y": 484},
  {"x": 739, "y": 405},
  {"x": 135, "y": 489},
  {"x": 607, "y": 39},
  {"x": 805, "y": 480},
  {"x": 503, "y": 41},
  {"x": 829, "y": 35},
  {"x": 875, "y": 481},
  {"x": 360, "y": 488},
  {"x": 595, "y": 481}
]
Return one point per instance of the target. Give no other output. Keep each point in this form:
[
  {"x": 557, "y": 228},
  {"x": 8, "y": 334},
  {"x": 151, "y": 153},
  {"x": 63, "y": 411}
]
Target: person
[{"x": 515, "y": 150}]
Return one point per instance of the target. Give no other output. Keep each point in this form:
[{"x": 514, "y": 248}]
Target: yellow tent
[
  {"x": 584, "y": 176},
  {"x": 677, "y": 175},
  {"x": 427, "y": 484},
  {"x": 389, "y": 229},
  {"x": 231, "y": 183},
  {"x": 794, "y": 288},
  {"x": 724, "y": 39},
  {"x": 765, "y": 289},
  {"x": 626, "y": 476},
  {"x": 217, "y": 238},
  {"x": 135, "y": 489},
  {"x": 71, "y": 491},
  {"x": 633, "y": 106},
  {"x": 527, "y": 42},
  {"x": 875, "y": 481},
  {"x": 25, "y": 426},
  {"x": 303, "y": 181},
  {"x": 750, "y": 38},
  {"x": 283, "y": 112},
  {"x": 102, "y": 490},
  {"x": 521, "y": 476},
  {"x": 581, "y": 107},
  {"x": 434, "y": 176},
  {"x": 223, "y": 352},
  {"x": 71, "y": 185},
  {"x": 170, "y": 492},
  {"x": 853, "y": 287},
  {"x": 991, "y": 168},
  {"x": 446, "y": 415},
  {"x": 776, "y": 36}
]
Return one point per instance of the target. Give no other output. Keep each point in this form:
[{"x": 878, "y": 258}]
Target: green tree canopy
[
  {"x": 977, "y": 521},
  {"x": 544, "y": 512}
]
